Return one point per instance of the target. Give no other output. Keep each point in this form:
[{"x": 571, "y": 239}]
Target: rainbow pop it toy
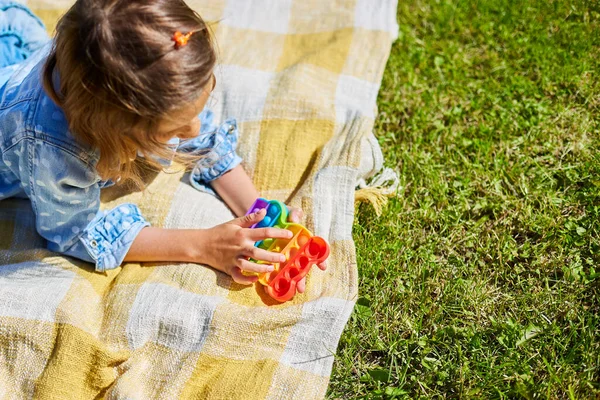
[{"x": 302, "y": 251}]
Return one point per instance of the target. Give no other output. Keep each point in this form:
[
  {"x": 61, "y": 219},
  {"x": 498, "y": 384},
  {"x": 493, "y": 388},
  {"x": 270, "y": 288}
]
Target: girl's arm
[
  {"x": 237, "y": 190},
  {"x": 226, "y": 247},
  {"x": 156, "y": 244}
]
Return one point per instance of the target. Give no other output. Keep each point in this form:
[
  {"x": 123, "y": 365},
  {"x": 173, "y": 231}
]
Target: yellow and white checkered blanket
[{"x": 301, "y": 77}]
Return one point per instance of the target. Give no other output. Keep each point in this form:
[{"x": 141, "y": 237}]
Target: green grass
[{"x": 480, "y": 280}]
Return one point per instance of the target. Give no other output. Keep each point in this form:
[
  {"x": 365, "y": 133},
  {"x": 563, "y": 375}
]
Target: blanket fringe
[{"x": 377, "y": 192}]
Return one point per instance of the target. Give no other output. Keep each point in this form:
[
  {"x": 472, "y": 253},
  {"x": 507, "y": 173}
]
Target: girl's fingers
[
  {"x": 242, "y": 279},
  {"x": 267, "y": 256},
  {"x": 323, "y": 265},
  {"x": 295, "y": 215},
  {"x": 301, "y": 285},
  {"x": 254, "y": 267},
  {"x": 248, "y": 220},
  {"x": 258, "y": 234}
]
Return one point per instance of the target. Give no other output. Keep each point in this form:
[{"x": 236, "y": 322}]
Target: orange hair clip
[{"x": 180, "y": 39}]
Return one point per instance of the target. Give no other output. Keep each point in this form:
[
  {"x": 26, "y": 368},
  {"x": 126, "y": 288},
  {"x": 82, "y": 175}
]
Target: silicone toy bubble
[
  {"x": 302, "y": 251},
  {"x": 277, "y": 213}
]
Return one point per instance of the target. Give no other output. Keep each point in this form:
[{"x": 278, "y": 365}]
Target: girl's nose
[{"x": 193, "y": 131}]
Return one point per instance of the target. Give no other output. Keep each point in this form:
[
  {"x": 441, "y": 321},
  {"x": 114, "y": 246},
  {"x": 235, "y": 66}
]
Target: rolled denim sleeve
[
  {"x": 110, "y": 235},
  {"x": 65, "y": 195},
  {"x": 217, "y": 147}
]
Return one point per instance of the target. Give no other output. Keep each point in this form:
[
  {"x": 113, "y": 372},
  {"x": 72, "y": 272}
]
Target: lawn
[{"x": 482, "y": 278}]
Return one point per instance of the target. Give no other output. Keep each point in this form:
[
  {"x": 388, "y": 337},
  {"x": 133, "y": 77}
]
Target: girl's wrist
[
  {"x": 177, "y": 245},
  {"x": 197, "y": 245},
  {"x": 236, "y": 189}
]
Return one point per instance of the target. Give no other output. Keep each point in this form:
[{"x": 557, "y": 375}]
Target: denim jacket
[{"x": 41, "y": 160}]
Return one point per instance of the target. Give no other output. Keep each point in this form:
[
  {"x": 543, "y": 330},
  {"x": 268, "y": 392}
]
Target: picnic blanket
[{"x": 301, "y": 77}]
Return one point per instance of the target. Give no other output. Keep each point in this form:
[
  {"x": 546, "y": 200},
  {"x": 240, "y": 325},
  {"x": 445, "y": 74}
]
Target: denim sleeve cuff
[
  {"x": 109, "y": 236},
  {"x": 21, "y": 33},
  {"x": 208, "y": 173},
  {"x": 220, "y": 156}
]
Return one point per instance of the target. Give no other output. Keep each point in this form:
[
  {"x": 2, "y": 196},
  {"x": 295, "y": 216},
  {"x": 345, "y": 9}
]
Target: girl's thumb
[{"x": 248, "y": 220}]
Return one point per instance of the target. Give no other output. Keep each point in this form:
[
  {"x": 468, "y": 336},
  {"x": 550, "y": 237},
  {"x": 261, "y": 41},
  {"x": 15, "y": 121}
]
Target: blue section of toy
[{"x": 277, "y": 215}]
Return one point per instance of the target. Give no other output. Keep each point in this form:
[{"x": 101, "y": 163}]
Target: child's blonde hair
[{"x": 121, "y": 72}]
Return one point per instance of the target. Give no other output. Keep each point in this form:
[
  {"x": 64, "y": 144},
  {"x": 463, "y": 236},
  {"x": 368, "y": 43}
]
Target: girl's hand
[
  {"x": 295, "y": 215},
  {"x": 226, "y": 247}
]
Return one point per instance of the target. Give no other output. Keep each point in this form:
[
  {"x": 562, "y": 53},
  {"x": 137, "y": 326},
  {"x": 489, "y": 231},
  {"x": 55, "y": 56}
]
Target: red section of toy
[{"x": 283, "y": 286}]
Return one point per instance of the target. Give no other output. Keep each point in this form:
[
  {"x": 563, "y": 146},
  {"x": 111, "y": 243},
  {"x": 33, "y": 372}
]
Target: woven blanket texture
[{"x": 301, "y": 77}]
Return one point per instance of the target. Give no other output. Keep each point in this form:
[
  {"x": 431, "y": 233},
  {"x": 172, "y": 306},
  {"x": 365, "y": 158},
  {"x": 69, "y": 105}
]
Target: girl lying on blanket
[{"x": 120, "y": 85}]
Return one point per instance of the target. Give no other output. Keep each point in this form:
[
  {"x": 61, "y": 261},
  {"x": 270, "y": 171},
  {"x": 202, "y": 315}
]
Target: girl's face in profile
[{"x": 184, "y": 122}]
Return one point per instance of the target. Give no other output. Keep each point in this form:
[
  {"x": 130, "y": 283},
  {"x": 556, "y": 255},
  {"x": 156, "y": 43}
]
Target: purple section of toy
[
  {"x": 258, "y": 205},
  {"x": 277, "y": 214}
]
